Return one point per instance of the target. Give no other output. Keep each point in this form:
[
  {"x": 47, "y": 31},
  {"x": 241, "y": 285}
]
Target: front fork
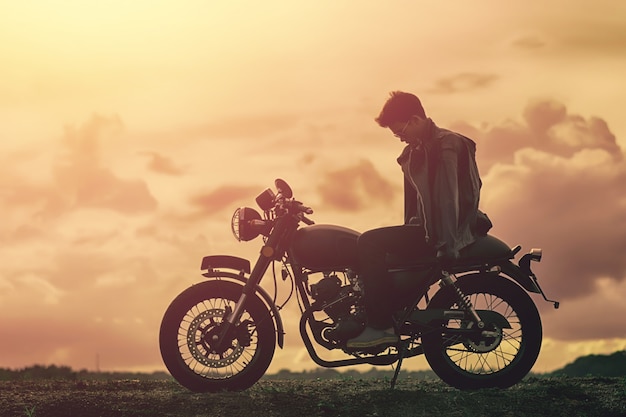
[
  {"x": 265, "y": 258},
  {"x": 272, "y": 250},
  {"x": 232, "y": 317}
]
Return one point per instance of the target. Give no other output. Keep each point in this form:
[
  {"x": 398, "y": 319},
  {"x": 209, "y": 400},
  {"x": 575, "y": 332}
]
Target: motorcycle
[{"x": 478, "y": 328}]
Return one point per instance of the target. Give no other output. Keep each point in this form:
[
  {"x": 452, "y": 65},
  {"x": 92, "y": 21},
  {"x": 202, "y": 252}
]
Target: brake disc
[{"x": 200, "y": 347}]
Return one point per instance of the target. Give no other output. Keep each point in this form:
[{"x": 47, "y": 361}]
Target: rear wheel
[
  {"x": 467, "y": 357},
  {"x": 190, "y": 345}
]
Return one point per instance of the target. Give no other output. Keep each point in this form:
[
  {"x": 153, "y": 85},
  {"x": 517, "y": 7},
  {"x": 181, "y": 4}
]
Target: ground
[{"x": 340, "y": 397}]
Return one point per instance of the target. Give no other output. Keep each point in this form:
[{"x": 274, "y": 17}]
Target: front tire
[
  {"x": 492, "y": 357},
  {"x": 186, "y": 338}
]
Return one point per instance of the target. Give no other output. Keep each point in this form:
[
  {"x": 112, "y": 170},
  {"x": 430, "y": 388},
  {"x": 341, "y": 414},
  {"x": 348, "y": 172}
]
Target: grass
[{"x": 588, "y": 397}]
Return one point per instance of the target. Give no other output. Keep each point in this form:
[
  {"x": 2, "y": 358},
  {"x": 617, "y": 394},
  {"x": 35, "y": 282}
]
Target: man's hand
[{"x": 444, "y": 255}]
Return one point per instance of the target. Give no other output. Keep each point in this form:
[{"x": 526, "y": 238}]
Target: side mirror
[{"x": 283, "y": 188}]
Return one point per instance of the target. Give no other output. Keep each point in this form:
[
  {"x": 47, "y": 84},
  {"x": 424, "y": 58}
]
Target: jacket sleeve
[
  {"x": 410, "y": 202},
  {"x": 447, "y": 195}
]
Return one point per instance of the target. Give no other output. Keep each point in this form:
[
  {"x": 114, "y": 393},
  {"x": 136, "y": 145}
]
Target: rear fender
[
  {"x": 215, "y": 266},
  {"x": 514, "y": 272}
]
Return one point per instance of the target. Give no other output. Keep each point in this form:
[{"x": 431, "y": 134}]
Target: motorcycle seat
[{"x": 485, "y": 249}]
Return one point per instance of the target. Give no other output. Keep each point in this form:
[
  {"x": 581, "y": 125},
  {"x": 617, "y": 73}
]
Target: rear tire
[
  {"x": 186, "y": 347},
  {"x": 500, "y": 359}
]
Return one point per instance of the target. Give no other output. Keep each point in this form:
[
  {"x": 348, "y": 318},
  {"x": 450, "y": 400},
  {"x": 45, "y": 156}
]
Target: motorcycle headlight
[{"x": 242, "y": 224}]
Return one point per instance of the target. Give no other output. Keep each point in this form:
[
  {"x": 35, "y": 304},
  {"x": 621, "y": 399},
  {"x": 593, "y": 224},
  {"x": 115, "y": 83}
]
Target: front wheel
[
  {"x": 467, "y": 357},
  {"x": 190, "y": 338}
]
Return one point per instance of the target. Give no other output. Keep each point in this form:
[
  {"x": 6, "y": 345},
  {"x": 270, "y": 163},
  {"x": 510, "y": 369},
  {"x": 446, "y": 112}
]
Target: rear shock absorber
[{"x": 464, "y": 302}]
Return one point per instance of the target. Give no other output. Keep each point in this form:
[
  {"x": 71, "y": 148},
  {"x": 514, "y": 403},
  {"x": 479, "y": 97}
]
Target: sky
[{"x": 130, "y": 132}]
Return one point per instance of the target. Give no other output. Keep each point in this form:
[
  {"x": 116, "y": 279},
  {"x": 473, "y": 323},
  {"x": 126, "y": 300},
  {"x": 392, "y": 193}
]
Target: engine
[{"x": 343, "y": 304}]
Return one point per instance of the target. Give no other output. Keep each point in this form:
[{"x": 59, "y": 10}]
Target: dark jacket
[{"x": 442, "y": 188}]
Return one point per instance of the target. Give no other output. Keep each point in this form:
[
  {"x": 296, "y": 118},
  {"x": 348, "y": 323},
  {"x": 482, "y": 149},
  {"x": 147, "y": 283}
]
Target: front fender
[
  {"x": 225, "y": 261},
  {"x": 214, "y": 265}
]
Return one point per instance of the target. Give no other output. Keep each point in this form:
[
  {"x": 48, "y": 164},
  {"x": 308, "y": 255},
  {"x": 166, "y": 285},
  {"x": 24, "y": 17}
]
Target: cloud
[
  {"x": 50, "y": 293},
  {"x": 594, "y": 36},
  {"x": 162, "y": 164},
  {"x": 78, "y": 177},
  {"x": 558, "y": 181},
  {"x": 97, "y": 290},
  {"x": 561, "y": 133},
  {"x": 61, "y": 340},
  {"x": 547, "y": 126},
  {"x": 529, "y": 43},
  {"x": 599, "y": 314},
  {"x": 355, "y": 187},
  {"x": 223, "y": 197},
  {"x": 83, "y": 180},
  {"x": 244, "y": 126},
  {"x": 568, "y": 35},
  {"x": 573, "y": 207},
  {"x": 72, "y": 246},
  {"x": 467, "y": 81}
]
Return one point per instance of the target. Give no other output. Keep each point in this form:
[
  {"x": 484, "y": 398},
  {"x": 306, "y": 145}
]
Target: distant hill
[
  {"x": 53, "y": 372},
  {"x": 613, "y": 365}
]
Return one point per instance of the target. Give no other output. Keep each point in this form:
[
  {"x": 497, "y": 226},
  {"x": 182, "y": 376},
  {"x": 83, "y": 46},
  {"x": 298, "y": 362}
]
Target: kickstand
[{"x": 401, "y": 352}]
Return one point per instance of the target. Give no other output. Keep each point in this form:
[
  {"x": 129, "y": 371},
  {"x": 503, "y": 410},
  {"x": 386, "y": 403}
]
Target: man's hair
[{"x": 400, "y": 107}]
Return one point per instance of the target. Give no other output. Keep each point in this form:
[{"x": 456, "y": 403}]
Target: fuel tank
[{"x": 325, "y": 247}]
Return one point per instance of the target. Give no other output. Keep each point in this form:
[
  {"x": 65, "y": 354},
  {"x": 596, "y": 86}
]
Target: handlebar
[
  {"x": 306, "y": 220},
  {"x": 302, "y": 210},
  {"x": 282, "y": 202}
]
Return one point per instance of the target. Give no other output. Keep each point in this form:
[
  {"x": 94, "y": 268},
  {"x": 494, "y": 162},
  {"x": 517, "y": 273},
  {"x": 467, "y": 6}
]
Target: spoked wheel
[
  {"x": 467, "y": 357},
  {"x": 194, "y": 349}
]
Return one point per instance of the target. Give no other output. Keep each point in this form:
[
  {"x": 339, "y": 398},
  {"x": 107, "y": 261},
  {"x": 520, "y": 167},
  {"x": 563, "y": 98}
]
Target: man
[{"x": 441, "y": 195}]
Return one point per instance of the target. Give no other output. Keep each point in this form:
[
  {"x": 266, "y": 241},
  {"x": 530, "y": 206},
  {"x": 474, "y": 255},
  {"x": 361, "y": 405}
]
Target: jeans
[{"x": 406, "y": 242}]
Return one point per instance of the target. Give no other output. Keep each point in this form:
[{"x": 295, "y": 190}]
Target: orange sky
[{"x": 130, "y": 131}]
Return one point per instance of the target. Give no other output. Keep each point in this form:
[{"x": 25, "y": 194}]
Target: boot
[{"x": 371, "y": 337}]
